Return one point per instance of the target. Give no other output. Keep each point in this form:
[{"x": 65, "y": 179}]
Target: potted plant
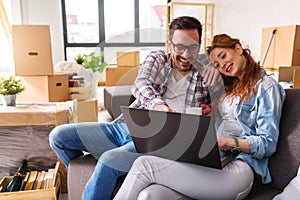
[
  {"x": 95, "y": 65},
  {"x": 80, "y": 58},
  {"x": 94, "y": 62},
  {"x": 9, "y": 88}
]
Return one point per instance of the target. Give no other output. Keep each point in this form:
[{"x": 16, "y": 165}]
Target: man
[{"x": 166, "y": 81}]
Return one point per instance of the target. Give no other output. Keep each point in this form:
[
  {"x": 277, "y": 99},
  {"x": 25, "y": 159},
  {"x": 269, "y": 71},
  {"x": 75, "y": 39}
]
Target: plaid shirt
[{"x": 151, "y": 83}]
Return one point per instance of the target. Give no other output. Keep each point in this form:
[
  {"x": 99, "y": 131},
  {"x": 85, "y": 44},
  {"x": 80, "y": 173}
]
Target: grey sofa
[
  {"x": 116, "y": 96},
  {"x": 283, "y": 164}
]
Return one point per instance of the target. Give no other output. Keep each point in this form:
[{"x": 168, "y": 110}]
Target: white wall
[{"x": 243, "y": 19}]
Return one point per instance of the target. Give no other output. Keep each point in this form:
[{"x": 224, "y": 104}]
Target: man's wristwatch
[{"x": 236, "y": 147}]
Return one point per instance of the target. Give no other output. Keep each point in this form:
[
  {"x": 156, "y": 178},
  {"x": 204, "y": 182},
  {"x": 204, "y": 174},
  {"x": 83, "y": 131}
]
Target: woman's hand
[
  {"x": 228, "y": 143},
  {"x": 211, "y": 75}
]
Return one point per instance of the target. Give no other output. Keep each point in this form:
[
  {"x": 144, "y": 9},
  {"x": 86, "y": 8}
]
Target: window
[{"x": 113, "y": 26}]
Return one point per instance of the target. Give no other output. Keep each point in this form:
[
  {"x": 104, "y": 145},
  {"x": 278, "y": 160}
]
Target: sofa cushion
[
  {"x": 262, "y": 191},
  {"x": 285, "y": 162}
]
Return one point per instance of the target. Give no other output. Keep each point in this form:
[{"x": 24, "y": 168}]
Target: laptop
[{"x": 176, "y": 136}]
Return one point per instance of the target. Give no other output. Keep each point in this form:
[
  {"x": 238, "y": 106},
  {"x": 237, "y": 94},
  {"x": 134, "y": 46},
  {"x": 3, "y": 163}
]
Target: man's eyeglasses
[{"x": 180, "y": 48}]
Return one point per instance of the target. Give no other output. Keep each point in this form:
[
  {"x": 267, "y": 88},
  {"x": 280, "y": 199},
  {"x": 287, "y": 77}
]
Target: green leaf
[
  {"x": 10, "y": 86},
  {"x": 94, "y": 62}
]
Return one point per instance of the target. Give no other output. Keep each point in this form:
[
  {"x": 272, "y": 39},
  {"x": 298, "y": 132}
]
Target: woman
[{"x": 249, "y": 110}]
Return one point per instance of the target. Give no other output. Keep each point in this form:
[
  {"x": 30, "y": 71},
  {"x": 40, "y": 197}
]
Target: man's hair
[{"x": 185, "y": 23}]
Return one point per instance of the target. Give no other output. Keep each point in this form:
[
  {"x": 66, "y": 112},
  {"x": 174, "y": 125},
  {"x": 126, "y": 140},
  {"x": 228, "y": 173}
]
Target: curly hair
[{"x": 245, "y": 87}]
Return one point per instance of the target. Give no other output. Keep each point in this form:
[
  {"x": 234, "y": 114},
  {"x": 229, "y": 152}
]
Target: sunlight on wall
[{"x": 6, "y": 58}]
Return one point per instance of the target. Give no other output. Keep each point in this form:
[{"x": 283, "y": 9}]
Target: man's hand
[
  {"x": 206, "y": 109},
  {"x": 211, "y": 75},
  {"x": 163, "y": 107}
]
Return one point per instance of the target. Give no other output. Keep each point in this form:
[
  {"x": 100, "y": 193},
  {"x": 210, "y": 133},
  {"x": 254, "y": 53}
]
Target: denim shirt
[{"x": 259, "y": 119}]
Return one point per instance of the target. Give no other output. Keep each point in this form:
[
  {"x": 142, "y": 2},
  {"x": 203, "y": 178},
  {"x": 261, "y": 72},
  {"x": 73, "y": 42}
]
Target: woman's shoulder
[
  {"x": 268, "y": 84},
  {"x": 266, "y": 80}
]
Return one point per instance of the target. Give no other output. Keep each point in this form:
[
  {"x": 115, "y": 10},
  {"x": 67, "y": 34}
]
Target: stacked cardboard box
[
  {"x": 282, "y": 45},
  {"x": 87, "y": 107},
  {"x": 33, "y": 65},
  {"x": 290, "y": 74},
  {"x": 126, "y": 70}
]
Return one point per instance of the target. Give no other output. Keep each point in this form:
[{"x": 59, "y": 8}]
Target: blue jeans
[{"x": 110, "y": 143}]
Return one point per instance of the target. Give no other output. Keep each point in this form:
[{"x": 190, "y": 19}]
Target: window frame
[{"x": 102, "y": 44}]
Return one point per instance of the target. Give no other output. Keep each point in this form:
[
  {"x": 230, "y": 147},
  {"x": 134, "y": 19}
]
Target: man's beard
[{"x": 178, "y": 61}]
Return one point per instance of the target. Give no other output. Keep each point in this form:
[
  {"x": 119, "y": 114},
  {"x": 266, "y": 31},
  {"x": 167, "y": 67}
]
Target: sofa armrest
[
  {"x": 79, "y": 172},
  {"x": 117, "y": 96}
]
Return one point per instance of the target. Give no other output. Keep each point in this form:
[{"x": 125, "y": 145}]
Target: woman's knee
[
  {"x": 143, "y": 163},
  {"x": 155, "y": 191},
  {"x": 146, "y": 195}
]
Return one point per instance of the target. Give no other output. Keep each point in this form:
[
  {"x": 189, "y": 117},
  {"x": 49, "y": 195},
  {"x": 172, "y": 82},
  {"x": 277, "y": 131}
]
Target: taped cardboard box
[
  {"x": 284, "y": 49},
  {"x": 41, "y": 89},
  {"x": 128, "y": 59},
  {"x": 29, "y": 115},
  {"x": 120, "y": 75},
  {"x": 32, "y": 50}
]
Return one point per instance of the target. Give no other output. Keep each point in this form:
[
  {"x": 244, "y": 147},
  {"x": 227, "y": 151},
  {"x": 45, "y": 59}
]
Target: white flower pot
[{"x": 9, "y": 100}]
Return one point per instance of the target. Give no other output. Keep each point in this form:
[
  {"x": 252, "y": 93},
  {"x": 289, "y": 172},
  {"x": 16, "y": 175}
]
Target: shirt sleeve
[
  {"x": 149, "y": 82},
  {"x": 263, "y": 143}
]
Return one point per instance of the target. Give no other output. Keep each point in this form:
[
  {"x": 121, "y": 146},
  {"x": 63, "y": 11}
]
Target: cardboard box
[
  {"x": 24, "y": 134},
  {"x": 32, "y": 50},
  {"x": 284, "y": 49},
  {"x": 39, "y": 89},
  {"x": 87, "y": 110},
  {"x": 79, "y": 93},
  {"x": 120, "y": 75},
  {"x": 45, "y": 194},
  {"x": 286, "y": 73},
  {"x": 128, "y": 59},
  {"x": 28, "y": 115},
  {"x": 296, "y": 78}
]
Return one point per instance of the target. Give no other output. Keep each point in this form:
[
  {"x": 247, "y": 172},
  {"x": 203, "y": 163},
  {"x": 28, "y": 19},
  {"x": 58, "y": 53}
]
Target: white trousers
[{"x": 157, "y": 178}]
